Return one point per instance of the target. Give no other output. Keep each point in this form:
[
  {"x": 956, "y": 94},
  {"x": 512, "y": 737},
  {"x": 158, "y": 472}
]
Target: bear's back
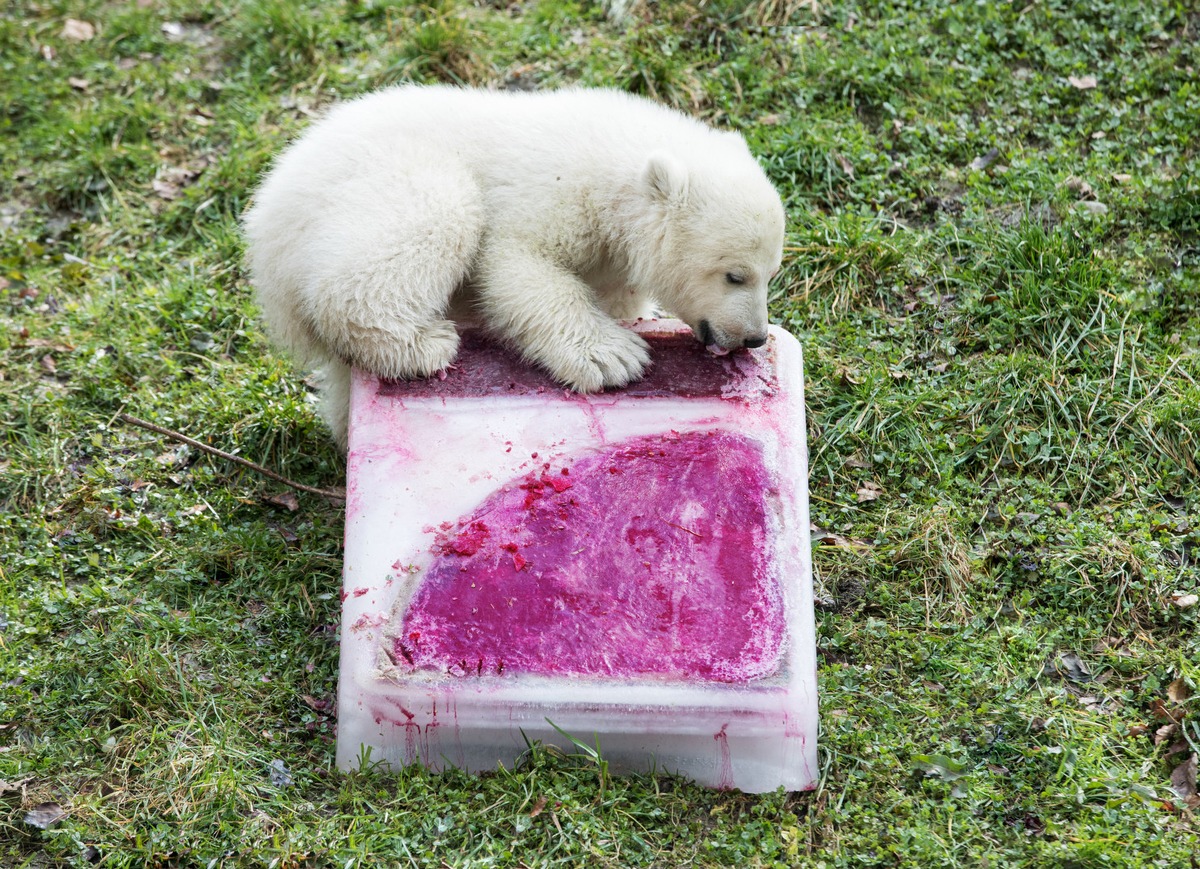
[{"x": 501, "y": 130}]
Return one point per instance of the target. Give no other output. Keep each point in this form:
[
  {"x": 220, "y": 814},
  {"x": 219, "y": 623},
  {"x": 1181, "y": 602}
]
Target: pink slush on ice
[{"x": 648, "y": 559}]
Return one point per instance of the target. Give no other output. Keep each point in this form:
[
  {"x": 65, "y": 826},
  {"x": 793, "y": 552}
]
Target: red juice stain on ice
[
  {"x": 468, "y": 541},
  {"x": 725, "y": 776},
  {"x": 662, "y": 570},
  {"x": 412, "y": 732},
  {"x": 680, "y": 366}
]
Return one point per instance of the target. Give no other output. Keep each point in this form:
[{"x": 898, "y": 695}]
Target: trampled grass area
[{"x": 994, "y": 269}]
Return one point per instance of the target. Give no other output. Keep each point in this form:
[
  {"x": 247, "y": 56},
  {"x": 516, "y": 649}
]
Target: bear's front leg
[{"x": 553, "y": 317}]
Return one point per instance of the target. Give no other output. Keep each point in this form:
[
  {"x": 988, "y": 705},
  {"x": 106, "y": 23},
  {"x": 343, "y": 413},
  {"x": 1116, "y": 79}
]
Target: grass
[{"x": 1007, "y": 674}]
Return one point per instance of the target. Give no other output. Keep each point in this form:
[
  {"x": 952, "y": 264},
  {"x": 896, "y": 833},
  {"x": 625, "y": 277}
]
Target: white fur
[{"x": 546, "y": 215}]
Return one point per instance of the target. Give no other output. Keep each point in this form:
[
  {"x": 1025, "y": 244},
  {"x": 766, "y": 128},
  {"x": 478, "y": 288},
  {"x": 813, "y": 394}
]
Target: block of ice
[{"x": 630, "y": 567}]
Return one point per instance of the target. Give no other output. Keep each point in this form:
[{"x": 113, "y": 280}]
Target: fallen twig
[{"x": 245, "y": 463}]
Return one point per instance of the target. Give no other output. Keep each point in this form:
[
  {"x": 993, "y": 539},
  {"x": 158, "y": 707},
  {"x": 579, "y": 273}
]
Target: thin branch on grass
[{"x": 245, "y": 463}]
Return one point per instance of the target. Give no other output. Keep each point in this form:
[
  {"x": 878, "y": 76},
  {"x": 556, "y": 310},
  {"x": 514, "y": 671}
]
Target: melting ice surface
[{"x": 651, "y": 558}]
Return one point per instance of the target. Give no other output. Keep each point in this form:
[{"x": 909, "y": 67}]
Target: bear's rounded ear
[{"x": 665, "y": 179}]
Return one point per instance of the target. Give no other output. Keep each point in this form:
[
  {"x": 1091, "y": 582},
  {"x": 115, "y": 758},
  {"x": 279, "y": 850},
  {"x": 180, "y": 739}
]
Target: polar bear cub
[{"x": 546, "y": 216}]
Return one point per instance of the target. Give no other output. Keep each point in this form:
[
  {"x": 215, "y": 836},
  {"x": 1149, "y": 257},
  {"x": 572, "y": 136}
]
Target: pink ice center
[{"x": 649, "y": 559}]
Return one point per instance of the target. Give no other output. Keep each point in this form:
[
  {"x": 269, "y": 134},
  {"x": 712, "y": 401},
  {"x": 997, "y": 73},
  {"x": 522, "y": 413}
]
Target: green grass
[{"x": 1016, "y": 372}]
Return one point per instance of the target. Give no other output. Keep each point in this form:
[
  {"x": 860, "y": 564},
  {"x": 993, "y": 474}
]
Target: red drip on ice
[{"x": 650, "y": 559}]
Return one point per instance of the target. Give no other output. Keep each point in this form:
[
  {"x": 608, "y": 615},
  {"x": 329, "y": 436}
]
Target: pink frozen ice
[{"x": 649, "y": 558}]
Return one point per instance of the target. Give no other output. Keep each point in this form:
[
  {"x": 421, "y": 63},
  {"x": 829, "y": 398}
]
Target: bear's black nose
[{"x": 757, "y": 341}]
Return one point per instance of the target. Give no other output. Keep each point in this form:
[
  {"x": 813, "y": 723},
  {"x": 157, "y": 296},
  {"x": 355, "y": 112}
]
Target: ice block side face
[{"x": 649, "y": 559}]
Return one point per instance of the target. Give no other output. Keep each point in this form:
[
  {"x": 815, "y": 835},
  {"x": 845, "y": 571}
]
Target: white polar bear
[{"x": 547, "y": 216}]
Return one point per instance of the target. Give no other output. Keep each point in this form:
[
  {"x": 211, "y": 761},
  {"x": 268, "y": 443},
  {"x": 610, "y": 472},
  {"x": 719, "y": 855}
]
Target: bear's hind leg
[
  {"x": 405, "y": 346},
  {"x": 334, "y": 407},
  {"x": 405, "y": 241}
]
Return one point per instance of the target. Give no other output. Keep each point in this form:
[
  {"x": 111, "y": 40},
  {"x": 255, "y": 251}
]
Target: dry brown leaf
[
  {"x": 171, "y": 180},
  {"x": 868, "y": 491},
  {"x": 1093, "y": 703},
  {"x": 80, "y": 84},
  {"x": 50, "y": 345},
  {"x": 287, "y": 500},
  {"x": 538, "y": 807},
  {"x": 1164, "y": 733},
  {"x": 6, "y": 786},
  {"x": 46, "y": 815},
  {"x": 49, "y": 364},
  {"x": 828, "y": 538},
  {"x": 1184, "y": 601},
  {"x": 78, "y": 31},
  {"x": 1178, "y": 691},
  {"x": 983, "y": 161},
  {"x": 1079, "y": 187},
  {"x": 1160, "y": 711},
  {"x": 1082, "y": 82},
  {"x": 1094, "y": 208},
  {"x": 165, "y": 189},
  {"x": 1073, "y": 668},
  {"x": 846, "y": 165},
  {"x": 1183, "y": 779},
  {"x": 847, "y": 377}
]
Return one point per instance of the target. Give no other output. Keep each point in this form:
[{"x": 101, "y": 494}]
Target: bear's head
[{"x": 717, "y": 241}]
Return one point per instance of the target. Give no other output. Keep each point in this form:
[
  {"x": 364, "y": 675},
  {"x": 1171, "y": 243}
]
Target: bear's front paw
[{"x": 614, "y": 358}]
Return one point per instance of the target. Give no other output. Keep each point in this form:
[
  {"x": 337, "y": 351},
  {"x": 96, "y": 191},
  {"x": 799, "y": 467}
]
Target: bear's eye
[{"x": 734, "y": 278}]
